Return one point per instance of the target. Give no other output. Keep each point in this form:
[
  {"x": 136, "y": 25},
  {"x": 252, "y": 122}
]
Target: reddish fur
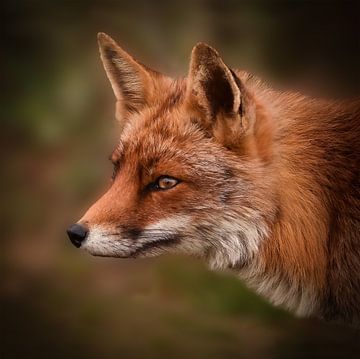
[{"x": 301, "y": 155}]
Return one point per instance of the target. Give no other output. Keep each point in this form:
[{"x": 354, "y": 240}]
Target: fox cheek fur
[{"x": 219, "y": 166}]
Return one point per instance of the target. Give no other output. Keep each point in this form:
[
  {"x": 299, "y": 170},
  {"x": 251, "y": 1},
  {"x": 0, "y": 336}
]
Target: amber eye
[{"x": 165, "y": 182}]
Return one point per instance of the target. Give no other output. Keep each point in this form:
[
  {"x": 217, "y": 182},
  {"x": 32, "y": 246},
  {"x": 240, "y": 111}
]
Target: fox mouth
[
  {"x": 144, "y": 245},
  {"x": 162, "y": 243}
]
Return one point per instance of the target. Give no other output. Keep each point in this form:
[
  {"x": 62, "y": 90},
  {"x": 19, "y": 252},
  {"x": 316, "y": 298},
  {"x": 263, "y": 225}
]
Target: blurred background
[{"x": 57, "y": 129}]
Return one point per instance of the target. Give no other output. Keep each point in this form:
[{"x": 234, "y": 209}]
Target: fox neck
[
  {"x": 290, "y": 265},
  {"x": 303, "y": 263}
]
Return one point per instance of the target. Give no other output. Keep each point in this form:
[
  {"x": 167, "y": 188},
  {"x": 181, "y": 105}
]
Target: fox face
[
  {"x": 187, "y": 176},
  {"x": 166, "y": 196}
]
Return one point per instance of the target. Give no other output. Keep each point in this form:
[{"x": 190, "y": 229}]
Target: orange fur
[{"x": 269, "y": 181}]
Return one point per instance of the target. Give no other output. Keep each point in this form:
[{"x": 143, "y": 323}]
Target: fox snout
[{"x": 77, "y": 234}]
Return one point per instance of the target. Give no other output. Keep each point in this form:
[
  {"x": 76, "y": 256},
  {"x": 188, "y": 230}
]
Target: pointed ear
[
  {"x": 216, "y": 91},
  {"x": 131, "y": 81}
]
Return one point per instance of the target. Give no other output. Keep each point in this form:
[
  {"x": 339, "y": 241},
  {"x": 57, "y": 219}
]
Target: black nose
[{"x": 77, "y": 233}]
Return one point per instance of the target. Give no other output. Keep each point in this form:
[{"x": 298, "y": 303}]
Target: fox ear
[
  {"x": 131, "y": 81},
  {"x": 216, "y": 91}
]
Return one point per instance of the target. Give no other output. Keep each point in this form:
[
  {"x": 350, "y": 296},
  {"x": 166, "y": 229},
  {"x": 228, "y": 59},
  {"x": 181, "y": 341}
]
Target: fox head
[{"x": 189, "y": 167}]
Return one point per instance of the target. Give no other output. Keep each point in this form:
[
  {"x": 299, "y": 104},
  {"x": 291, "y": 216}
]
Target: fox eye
[
  {"x": 167, "y": 182},
  {"x": 164, "y": 182}
]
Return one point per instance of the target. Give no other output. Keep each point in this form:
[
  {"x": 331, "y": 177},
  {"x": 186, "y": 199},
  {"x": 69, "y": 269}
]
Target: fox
[{"x": 220, "y": 166}]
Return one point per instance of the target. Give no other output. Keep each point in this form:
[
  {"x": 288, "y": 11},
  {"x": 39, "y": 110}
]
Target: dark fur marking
[
  {"x": 228, "y": 173},
  {"x": 225, "y": 197},
  {"x": 218, "y": 92},
  {"x": 166, "y": 241},
  {"x": 229, "y": 178},
  {"x": 131, "y": 232}
]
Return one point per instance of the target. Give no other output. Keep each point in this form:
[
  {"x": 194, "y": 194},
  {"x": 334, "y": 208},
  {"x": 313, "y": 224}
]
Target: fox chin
[{"x": 219, "y": 166}]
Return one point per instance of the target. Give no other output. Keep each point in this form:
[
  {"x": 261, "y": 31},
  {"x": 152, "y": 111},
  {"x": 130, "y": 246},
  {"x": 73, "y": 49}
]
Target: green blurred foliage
[{"x": 57, "y": 129}]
